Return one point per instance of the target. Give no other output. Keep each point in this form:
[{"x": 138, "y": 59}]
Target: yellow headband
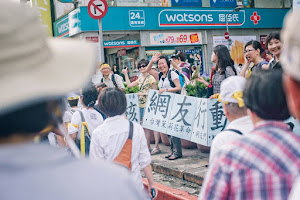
[
  {"x": 73, "y": 98},
  {"x": 238, "y": 96},
  {"x": 104, "y": 66}
]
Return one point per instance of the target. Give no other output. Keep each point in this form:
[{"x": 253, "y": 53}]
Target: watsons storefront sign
[
  {"x": 121, "y": 43},
  {"x": 171, "y": 17}
]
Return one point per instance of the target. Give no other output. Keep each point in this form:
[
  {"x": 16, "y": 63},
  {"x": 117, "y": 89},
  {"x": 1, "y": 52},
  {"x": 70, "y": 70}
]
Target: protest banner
[{"x": 195, "y": 119}]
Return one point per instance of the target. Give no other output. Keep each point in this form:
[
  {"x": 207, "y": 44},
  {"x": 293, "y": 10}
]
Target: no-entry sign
[
  {"x": 97, "y": 8},
  {"x": 226, "y": 35}
]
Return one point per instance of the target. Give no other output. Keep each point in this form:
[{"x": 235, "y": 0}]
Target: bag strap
[
  {"x": 84, "y": 132},
  {"x": 114, "y": 80},
  {"x": 130, "y": 130},
  {"x": 170, "y": 79},
  {"x": 234, "y": 130},
  {"x": 144, "y": 82}
]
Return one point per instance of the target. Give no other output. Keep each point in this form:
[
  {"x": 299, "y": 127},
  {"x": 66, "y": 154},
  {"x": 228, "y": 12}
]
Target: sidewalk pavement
[{"x": 191, "y": 167}]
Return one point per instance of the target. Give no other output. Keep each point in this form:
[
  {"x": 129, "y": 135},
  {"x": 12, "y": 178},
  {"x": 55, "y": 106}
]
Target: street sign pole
[
  {"x": 97, "y": 9},
  {"x": 100, "y": 40}
]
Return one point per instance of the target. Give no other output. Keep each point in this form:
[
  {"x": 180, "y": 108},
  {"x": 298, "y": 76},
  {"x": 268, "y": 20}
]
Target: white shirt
[
  {"x": 295, "y": 192},
  {"x": 118, "y": 79},
  {"x": 91, "y": 116},
  {"x": 243, "y": 124},
  {"x": 166, "y": 83},
  {"x": 68, "y": 115},
  {"x": 109, "y": 138}
]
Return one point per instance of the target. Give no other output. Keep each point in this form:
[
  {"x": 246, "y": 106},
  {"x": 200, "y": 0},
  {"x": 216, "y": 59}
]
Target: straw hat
[
  {"x": 290, "y": 58},
  {"x": 34, "y": 68},
  {"x": 231, "y": 90}
]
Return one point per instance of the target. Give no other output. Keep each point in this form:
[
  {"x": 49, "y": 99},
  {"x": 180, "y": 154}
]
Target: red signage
[
  {"x": 97, "y": 8},
  {"x": 226, "y": 35}
]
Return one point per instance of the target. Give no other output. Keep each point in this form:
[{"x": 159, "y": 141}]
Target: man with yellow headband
[
  {"x": 110, "y": 79},
  {"x": 231, "y": 95}
]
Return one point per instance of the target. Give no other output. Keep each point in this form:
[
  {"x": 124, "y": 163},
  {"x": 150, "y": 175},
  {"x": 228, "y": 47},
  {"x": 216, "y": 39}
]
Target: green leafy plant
[
  {"x": 198, "y": 90},
  {"x": 134, "y": 89}
]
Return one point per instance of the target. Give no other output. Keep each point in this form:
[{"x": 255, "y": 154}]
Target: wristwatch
[{"x": 167, "y": 90}]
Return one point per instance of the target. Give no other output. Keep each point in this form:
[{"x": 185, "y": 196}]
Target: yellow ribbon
[
  {"x": 216, "y": 96},
  {"x": 104, "y": 66},
  {"x": 239, "y": 97}
]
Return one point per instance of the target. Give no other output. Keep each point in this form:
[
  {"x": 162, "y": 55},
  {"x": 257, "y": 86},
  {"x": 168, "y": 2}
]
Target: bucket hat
[
  {"x": 231, "y": 90},
  {"x": 33, "y": 67}
]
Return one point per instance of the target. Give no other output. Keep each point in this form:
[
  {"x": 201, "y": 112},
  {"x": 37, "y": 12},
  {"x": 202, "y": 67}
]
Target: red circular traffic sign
[
  {"x": 97, "y": 8},
  {"x": 226, "y": 35}
]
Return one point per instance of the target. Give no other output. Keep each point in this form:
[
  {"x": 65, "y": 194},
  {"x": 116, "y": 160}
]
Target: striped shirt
[{"x": 261, "y": 165}]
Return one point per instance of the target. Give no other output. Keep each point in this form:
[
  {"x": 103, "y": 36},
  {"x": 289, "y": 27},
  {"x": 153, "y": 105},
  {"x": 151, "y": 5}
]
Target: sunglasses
[{"x": 141, "y": 66}]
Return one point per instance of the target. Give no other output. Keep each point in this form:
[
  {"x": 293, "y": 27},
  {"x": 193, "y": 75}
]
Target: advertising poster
[
  {"x": 43, "y": 9},
  {"x": 236, "y": 48},
  {"x": 222, "y": 3},
  {"x": 184, "y": 38},
  {"x": 186, "y": 3}
]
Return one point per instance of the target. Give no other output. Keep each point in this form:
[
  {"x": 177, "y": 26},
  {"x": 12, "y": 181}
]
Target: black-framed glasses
[
  {"x": 142, "y": 66},
  {"x": 249, "y": 50}
]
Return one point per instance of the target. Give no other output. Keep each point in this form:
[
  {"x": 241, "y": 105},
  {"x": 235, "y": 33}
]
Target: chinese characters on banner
[
  {"x": 133, "y": 109},
  {"x": 176, "y": 115},
  {"x": 157, "y": 111}
]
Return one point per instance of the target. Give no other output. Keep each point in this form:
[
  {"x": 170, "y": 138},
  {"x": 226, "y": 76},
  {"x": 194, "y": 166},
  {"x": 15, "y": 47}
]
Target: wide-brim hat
[{"x": 34, "y": 68}]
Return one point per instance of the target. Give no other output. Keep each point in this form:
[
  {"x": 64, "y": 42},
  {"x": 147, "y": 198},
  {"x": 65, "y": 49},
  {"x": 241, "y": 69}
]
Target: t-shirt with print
[
  {"x": 165, "y": 83},
  {"x": 91, "y": 116},
  {"x": 145, "y": 85},
  {"x": 109, "y": 82}
]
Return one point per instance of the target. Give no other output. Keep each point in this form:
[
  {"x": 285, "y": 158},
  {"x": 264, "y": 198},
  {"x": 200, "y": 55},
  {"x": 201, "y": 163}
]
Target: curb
[{"x": 167, "y": 193}]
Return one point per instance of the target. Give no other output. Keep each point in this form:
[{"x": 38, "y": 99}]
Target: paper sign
[{"x": 199, "y": 134}]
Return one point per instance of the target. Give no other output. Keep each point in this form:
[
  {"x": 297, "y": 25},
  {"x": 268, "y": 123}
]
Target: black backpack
[{"x": 181, "y": 79}]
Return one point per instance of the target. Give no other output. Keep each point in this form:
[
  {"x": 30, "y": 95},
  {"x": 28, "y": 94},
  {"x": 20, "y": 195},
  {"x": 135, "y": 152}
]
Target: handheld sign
[{"x": 97, "y": 8}]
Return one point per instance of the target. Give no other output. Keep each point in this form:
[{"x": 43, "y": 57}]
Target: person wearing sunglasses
[
  {"x": 253, "y": 51},
  {"x": 145, "y": 83}
]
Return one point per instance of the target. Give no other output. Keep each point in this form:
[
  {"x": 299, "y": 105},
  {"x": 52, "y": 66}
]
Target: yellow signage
[{"x": 44, "y": 9}]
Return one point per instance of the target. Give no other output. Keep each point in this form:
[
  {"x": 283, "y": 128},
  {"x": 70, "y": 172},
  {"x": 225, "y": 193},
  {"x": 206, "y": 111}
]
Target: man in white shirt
[
  {"x": 240, "y": 123},
  {"x": 110, "y": 79}
]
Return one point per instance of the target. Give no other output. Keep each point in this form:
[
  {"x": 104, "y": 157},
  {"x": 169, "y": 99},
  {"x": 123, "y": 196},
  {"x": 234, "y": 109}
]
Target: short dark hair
[
  {"x": 256, "y": 45},
  {"x": 73, "y": 102},
  {"x": 265, "y": 96},
  {"x": 112, "y": 102},
  {"x": 181, "y": 55},
  {"x": 27, "y": 120},
  {"x": 165, "y": 58},
  {"x": 90, "y": 95},
  {"x": 272, "y": 35},
  {"x": 143, "y": 61}
]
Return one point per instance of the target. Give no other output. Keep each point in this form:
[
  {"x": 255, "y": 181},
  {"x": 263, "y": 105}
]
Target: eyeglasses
[
  {"x": 142, "y": 66},
  {"x": 249, "y": 50}
]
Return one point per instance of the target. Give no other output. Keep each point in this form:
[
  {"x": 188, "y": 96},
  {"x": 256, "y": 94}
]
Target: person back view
[{"x": 39, "y": 171}]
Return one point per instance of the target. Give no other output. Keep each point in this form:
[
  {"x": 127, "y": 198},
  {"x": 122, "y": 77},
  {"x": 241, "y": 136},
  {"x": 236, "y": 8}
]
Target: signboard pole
[{"x": 101, "y": 49}]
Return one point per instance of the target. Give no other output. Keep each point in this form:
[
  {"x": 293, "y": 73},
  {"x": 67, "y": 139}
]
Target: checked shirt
[{"x": 261, "y": 165}]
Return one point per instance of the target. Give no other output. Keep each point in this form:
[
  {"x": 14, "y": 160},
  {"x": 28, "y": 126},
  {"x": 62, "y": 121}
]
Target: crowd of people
[{"x": 256, "y": 157}]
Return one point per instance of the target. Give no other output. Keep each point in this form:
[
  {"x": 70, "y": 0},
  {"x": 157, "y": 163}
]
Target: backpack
[
  {"x": 181, "y": 78},
  {"x": 124, "y": 157},
  {"x": 112, "y": 79}
]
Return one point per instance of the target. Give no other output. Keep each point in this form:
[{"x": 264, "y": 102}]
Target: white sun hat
[
  {"x": 289, "y": 57},
  {"x": 33, "y": 67},
  {"x": 231, "y": 90}
]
